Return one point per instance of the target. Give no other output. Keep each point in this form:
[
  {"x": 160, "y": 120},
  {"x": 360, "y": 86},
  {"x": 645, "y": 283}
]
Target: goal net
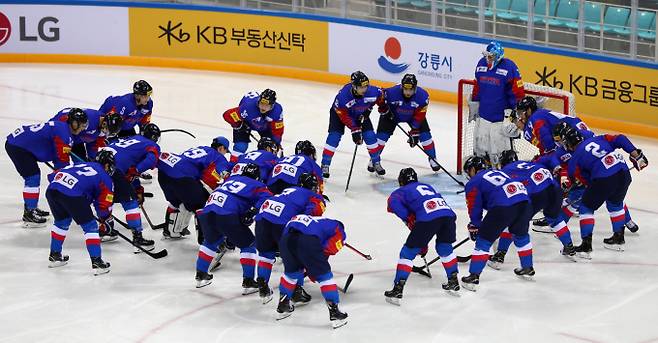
[{"x": 547, "y": 97}]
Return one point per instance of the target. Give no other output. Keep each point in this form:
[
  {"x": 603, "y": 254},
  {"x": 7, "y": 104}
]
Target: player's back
[
  {"x": 91, "y": 133},
  {"x": 43, "y": 140},
  {"x": 421, "y": 199},
  {"x": 190, "y": 163},
  {"x": 321, "y": 227},
  {"x": 289, "y": 169},
  {"x": 236, "y": 195},
  {"x": 264, "y": 159},
  {"x": 279, "y": 209},
  {"x": 535, "y": 177},
  {"x": 596, "y": 158},
  {"x": 87, "y": 179},
  {"x": 131, "y": 150},
  {"x": 496, "y": 189}
]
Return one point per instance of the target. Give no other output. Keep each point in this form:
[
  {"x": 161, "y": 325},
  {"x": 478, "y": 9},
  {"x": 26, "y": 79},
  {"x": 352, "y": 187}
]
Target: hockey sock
[
  {"x": 427, "y": 143},
  {"x": 524, "y": 249},
  {"x": 382, "y": 138},
  {"x": 448, "y": 257},
  {"x": 566, "y": 213},
  {"x": 480, "y": 256},
  {"x": 92, "y": 239},
  {"x": 370, "y": 139},
  {"x": 405, "y": 263},
  {"x": 248, "y": 261},
  {"x": 58, "y": 234},
  {"x": 627, "y": 214},
  {"x": 288, "y": 282},
  {"x": 617, "y": 216},
  {"x": 328, "y": 287},
  {"x": 505, "y": 240},
  {"x": 586, "y": 221},
  {"x": 330, "y": 146},
  {"x": 265, "y": 262},
  {"x": 561, "y": 230},
  {"x": 205, "y": 256},
  {"x": 133, "y": 218},
  {"x": 239, "y": 148},
  {"x": 31, "y": 191}
]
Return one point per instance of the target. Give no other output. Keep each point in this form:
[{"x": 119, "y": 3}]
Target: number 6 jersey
[
  {"x": 50, "y": 141},
  {"x": 492, "y": 188}
]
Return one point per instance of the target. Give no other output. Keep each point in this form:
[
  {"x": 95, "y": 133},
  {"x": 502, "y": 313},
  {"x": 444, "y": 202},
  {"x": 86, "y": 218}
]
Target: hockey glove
[
  {"x": 414, "y": 135},
  {"x": 389, "y": 115},
  {"x": 639, "y": 160},
  {"x": 473, "y": 110},
  {"x": 248, "y": 218},
  {"x": 357, "y": 136},
  {"x": 242, "y": 127},
  {"x": 139, "y": 190},
  {"x": 473, "y": 231},
  {"x": 565, "y": 183},
  {"x": 106, "y": 226}
]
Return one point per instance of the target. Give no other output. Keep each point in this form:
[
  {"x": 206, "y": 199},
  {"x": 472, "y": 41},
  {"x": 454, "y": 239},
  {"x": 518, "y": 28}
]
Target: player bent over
[
  {"x": 306, "y": 244},
  {"x": 272, "y": 217},
  {"x": 228, "y": 213},
  {"x": 507, "y": 205},
  {"x": 597, "y": 165},
  {"x": 545, "y": 194},
  {"x": 426, "y": 214},
  {"x": 407, "y": 103},
  {"x": 71, "y": 192},
  {"x": 100, "y": 127},
  {"x": 27, "y": 145},
  {"x": 288, "y": 169}
]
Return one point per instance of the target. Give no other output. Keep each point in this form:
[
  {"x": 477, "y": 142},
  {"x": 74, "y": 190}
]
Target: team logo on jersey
[
  {"x": 431, "y": 205},
  {"x": 392, "y": 52},
  {"x": 609, "y": 160},
  {"x": 5, "y": 29},
  {"x": 511, "y": 189}
]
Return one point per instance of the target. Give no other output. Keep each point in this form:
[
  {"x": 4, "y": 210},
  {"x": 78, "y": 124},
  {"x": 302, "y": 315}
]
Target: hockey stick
[
  {"x": 347, "y": 283},
  {"x": 148, "y": 219},
  {"x": 421, "y": 270},
  {"x": 367, "y": 257},
  {"x": 160, "y": 254},
  {"x": 433, "y": 159},
  {"x": 349, "y": 176},
  {"x": 178, "y": 130}
]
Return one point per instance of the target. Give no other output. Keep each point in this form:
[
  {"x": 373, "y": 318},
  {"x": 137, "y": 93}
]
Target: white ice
[{"x": 612, "y": 298}]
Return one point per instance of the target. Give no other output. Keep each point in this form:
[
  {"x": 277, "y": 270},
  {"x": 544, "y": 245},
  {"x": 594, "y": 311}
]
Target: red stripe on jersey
[
  {"x": 248, "y": 261},
  {"x": 93, "y": 241},
  {"x": 266, "y": 265},
  {"x": 480, "y": 258},
  {"x": 404, "y": 268},
  {"x": 57, "y": 236},
  {"x": 328, "y": 288},
  {"x": 587, "y": 221},
  {"x": 505, "y": 235},
  {"x": 287, "y": 285},
  {"x": 27, "y": 195},
  {"x": 450, "y": 263},
  {"x": 524, "y": 253},
  {"x": 205, "y": 257},
  {"x": 327, "y": 152},
  {"x": 618, "y": 218},
  {"x": 132, "y": 216}
]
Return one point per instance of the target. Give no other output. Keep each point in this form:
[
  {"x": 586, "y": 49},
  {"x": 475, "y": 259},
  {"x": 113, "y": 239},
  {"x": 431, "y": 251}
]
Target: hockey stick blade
[
  {"x": 347, "y": 283},
  {"x": 540, "y": 230},
  {"x": 160, "y": 254},
  {"x": 421, "y": 271},
  {"x": 179, "y": 130}
]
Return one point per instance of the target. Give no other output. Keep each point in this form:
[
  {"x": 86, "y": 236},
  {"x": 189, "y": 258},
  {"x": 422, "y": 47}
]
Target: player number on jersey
[
  {"x": 496, "y": 177},
  {"x": 124, "y": 143},
  {"x": 195, "y": 153},
  {"x": 425, "y": 190},
  {"x": 595, "y": 150},
  {"x": 232, "y": 186}
]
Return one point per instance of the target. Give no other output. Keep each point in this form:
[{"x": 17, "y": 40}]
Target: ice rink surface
[{"x": 612, "y": 298}]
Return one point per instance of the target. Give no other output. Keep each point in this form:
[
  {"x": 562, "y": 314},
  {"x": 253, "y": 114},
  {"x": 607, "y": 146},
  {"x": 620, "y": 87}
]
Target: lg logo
[{"x": 45, "y": 29}]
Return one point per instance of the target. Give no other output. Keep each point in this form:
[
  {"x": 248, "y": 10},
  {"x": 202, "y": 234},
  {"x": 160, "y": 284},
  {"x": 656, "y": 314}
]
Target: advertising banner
[
  {"x": 48, "y": 29},
  {"x": 387, "y": 55},
  {"x": 229, "y": 37},
  {"x": 609, "y": 90}
]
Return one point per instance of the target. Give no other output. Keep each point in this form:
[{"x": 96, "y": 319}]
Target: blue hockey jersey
[
  {"x": 280, "y": 208},
  {"x": 535, "y": 177},
  {"x": 92, "y": 137},
  {"x": 497, "y": 89},
  {"x": 539, "y": 128},
  {"x": 492, "y": 188},
  {"x": 597, "y": 157},
  {"x": 412, "y": 110},
  {"x": 236, "y": 196},
  {"x": 201, "y": 163},
  {"x": 351, "y": 109},
  {"x": 331, "y": 232},
  {"x": 131, "y": 113},
  {"x": 50, "y": 141},
  {"x": 89, "y": 180},
  {"x": 135, "y": 154},
  {"x": 289, "y": 169},
  {"x": 418, "y": 201},
  {"x": 264, "y": 159}
]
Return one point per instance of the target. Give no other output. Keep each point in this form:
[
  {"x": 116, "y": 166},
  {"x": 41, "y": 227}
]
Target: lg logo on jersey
[{"x": 45, "y": 29}]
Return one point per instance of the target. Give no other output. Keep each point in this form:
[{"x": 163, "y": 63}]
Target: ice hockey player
[
  {"x": 537, "y": 124},
  {"x": 100, "y": 127},
  {"x": 44, "y": 142},
  {"x": 135, "y": 108},
  {"x": 258, "y": 112},
  {"x": 272, "y": 217},
  {"x": 545, "y": 195},
  {"x": 71, "y": 192},
  {"x": 407, "y": 103},
  {"x": 508, "y": 206},
  {"x": 187, "y": 179},
  {"x": 134, "y": 155},
  {"x": 426, "y": 214},
  {"x": 265, "y": 158},
  {"x": 351, "y": 108},
  {"x": 306, "y": 244},
  {"x": 498, "y": 87},
  {"x": 229, "y": 212},
  {"x": 597, "y": 165},
  {"x": 288, "y": 169}
]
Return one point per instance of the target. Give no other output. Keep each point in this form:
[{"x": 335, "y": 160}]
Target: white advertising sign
[
  {"x": 438, "y": 63},
  {"x": 87, "y": 30}
]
